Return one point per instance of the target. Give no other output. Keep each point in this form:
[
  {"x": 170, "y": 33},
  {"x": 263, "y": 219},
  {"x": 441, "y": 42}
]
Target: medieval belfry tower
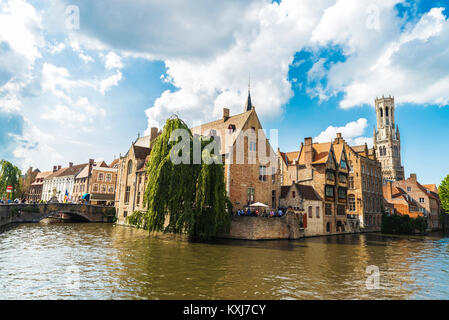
[{"x": 387, "y": 140}]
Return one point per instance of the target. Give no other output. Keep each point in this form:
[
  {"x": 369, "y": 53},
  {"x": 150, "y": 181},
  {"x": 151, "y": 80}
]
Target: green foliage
[
  {"x": 9, "y": 176},
  {"x": 183, "y": 197},
  {"x": 398, "y": 224},
  {"x": 443, "y": 191},
  {"x": 137, "y": 218}
]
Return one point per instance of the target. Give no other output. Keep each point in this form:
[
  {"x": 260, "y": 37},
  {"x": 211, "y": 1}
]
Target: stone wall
[
  {"x": 22, "y": 213},
  {"x": 264, "y": 228}
]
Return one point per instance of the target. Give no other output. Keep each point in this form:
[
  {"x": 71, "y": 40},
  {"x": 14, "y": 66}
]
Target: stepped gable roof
[
  {"x": 320, "y": 153},
  {"x": 222, "y": 125}
]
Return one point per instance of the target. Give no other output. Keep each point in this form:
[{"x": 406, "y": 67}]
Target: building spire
[{"x": 249, "y": 105}]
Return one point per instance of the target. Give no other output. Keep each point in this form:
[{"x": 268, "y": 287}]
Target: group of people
[
  {"x": 259, "y": 213},
  {"x": 12, "y": 201}
]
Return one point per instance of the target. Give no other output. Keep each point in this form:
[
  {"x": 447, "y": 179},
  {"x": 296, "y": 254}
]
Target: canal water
[{"x": 103, "y": 261}]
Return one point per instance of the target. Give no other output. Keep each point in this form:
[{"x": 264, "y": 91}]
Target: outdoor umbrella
[
  {"x": 259, "y": 205},
  {"x": 86, "y": 196}
]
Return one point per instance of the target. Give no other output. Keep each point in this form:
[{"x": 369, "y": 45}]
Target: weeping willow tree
[{"x": 185, "y": 197}]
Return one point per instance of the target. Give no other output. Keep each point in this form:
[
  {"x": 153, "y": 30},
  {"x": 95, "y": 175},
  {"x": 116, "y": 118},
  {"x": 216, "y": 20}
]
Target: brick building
[
  {"x": 428, "y": 201},
  {"x": 97, "y": 179},
  {"x": 247, "y": 179},
  {"x": 402, "y": 203},
  {"x": 365, "y": 198},
  {"x": 323, "y": 166},
  {"x": 35, "y": 193},
  {"x": 131, "y": 177},
  {"x": 304, "y": 200}
]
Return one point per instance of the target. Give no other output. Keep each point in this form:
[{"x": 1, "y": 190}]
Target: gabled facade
[
  {"x": 304, "y": 200},
  {"x": 403, "y": 203},
  {"x": 131, "y": 177},
  {"x": 62, "y": 181},
  {"x": 98, "y": 180},
  {"x": 250, "y": 180},
  {"x": 427, "y": 200},
  {"x": 325, "y": 169},
  {"x": 365, "y": 198},
  {"x": 35, "y": 194}
]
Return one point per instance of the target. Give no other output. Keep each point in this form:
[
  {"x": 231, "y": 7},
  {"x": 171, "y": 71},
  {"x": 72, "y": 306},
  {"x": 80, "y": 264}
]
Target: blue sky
[{"x": 68, "y": 94}]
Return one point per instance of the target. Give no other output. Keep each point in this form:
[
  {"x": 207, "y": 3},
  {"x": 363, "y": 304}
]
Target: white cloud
[
  {"x": 113, "y": 61},
  {"x": 109, "y": 82},
  {"x": 77, "y": 48},
  {"x": 57, "y": 48},
  {"x": 19, "y": 26},
  {"x": 352, "y": 133},
  {"x": 404, "y": 60},
  {"x": 81, "y": 113}
]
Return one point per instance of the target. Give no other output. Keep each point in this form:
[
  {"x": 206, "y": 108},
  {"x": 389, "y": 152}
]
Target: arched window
[
  {"x": 130, "y": 167},
  {"x": 386, "y": 111},
  {"x": 381, "y": 112}
]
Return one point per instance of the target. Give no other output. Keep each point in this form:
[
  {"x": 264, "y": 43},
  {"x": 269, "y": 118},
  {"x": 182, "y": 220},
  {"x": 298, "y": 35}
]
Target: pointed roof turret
[{"x": 248, "y": 105}]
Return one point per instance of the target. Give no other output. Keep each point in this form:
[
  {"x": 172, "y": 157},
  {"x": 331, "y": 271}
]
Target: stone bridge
[{"x": 21, "y": 213}]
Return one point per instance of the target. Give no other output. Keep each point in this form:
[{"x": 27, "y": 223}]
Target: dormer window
[{"x": 231, "y": 128}]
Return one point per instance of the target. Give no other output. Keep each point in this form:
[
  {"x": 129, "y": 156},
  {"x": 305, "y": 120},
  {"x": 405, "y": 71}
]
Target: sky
[{"x": 81, "y": 79}]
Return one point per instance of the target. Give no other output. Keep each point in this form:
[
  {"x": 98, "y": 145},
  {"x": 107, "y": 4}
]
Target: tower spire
[{"x": 249, "y": 105}]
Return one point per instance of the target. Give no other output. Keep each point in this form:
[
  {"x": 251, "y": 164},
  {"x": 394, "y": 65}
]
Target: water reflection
[{"x": 116, "y": 262}]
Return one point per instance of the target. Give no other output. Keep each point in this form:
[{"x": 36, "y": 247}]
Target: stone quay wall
[{"x": 265, "y": 228}]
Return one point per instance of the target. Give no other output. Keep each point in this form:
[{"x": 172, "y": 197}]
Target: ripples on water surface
[{"x": 115, "y": 262}]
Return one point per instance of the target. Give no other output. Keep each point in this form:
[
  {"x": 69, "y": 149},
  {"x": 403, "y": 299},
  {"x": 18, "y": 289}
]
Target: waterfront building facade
[
  {"x": 387, "y": 140},
  {"x": 428, "y": 201},
  {"x": 365, "y": 197},
  {"x": 62, "y": 181},
  {"x": 304, "y": 200},
  {"x": 131, "y": 176},
  {"x": 247, "y": 178},
  {"x": 97, "y": 179},
  {"x": 324, "y": 166},
  {"x": 402, "y": 203},
  {"x": 35, "y": 193}
]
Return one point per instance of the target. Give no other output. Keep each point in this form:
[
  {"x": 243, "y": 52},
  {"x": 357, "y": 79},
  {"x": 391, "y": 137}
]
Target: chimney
[
  {"x": 225, "y": 114},
  {"x": 153, "y": 133},
  {"x": 308, "y": 151},
  {"x": 59, "y": 167},
  {"x": 339, "y": 138},
  {"x": 413, "y": 177},
  {"x": 387, "y": 190},
  {"x": 70, "y": 164},
  {"x": 55, "y": 168}
]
